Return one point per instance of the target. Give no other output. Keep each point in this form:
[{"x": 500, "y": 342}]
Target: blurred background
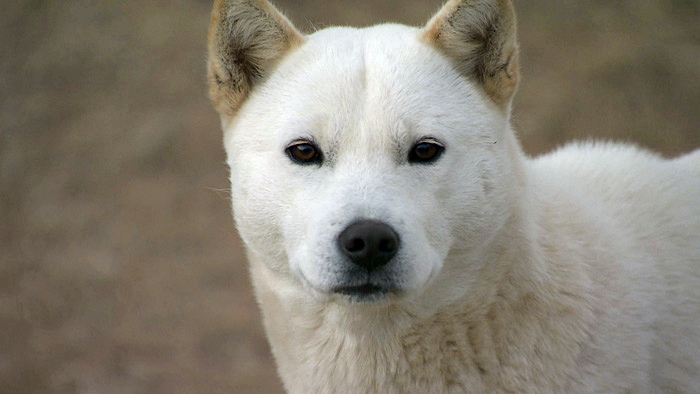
[{"x": 120, "y": 268}]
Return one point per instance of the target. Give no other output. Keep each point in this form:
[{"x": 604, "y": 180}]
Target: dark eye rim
[
  {"x": 414, "y": 159},
  {"x": 316, "y": 159}
]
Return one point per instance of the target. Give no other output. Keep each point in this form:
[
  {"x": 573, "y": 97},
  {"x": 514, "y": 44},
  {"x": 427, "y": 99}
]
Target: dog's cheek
[
  {"x": 308, "y": 228},
  {"x": 469, "y": 199},
  {"x": 423, "y": 226},
  {"x": 258, "y": 205},
  {"x": 436, "y": 226}
]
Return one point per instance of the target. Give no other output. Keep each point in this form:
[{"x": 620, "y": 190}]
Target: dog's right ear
[
  {"x": 479, "y": 37},
  {"x": 247, "y": 38}
]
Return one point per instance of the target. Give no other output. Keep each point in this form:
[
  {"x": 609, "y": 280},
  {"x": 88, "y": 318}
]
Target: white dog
[{"x": 401, "y": 242}]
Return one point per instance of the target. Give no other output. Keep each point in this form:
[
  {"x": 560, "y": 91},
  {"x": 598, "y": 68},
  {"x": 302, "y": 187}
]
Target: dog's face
[
  {"x": 365, "y": 158},
  {"x": 362, "y": 161}
]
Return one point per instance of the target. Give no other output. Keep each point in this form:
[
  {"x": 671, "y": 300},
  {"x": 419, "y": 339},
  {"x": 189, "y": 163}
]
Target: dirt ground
[{"x": 120, "y": 267}]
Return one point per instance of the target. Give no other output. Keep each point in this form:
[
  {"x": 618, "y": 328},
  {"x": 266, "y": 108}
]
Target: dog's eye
[
  {"x": 304, "y": 153},
  {"x": 425, "y": 152}
]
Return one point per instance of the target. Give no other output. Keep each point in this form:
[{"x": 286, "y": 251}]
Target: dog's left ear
[
  {"x": 247, "y": 39},
  {"x": 479, "y": 37}
]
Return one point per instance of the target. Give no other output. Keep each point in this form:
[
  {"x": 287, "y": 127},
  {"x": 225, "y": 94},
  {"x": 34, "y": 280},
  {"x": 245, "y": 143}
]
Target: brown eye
[
  {"x": 425, "y": 152},
  {"x": 304, "y": 153}
]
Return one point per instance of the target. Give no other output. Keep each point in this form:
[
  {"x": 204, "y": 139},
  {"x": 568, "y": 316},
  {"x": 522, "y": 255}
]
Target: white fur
[{"x": 578, "y": 271}]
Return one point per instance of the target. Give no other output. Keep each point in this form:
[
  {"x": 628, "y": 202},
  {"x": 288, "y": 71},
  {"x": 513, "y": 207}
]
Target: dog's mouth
[
  {"x": 362, "y": 290},
  {"x": 363, "y": 293}
]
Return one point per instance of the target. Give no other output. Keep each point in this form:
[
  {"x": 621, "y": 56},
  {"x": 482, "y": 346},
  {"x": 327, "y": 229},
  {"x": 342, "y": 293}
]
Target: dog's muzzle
[{"x": 369, "y": 245}]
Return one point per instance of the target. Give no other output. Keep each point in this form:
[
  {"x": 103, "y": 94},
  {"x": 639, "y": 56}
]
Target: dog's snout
[{"x": 369, "y": 243}]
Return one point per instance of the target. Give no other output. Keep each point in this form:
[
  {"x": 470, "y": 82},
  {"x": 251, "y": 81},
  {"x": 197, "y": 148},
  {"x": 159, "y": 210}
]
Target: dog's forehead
[
  {"x": 380, "y": 81},
  {"x": 387, "y": 61},
  {"x": 348, "y": 68}
]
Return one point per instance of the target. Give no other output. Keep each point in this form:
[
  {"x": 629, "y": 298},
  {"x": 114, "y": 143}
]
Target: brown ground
[{"x": 120, "y": 269}]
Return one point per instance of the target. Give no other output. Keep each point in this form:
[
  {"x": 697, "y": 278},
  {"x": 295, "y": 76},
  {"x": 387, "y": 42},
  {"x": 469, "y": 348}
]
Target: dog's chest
[{"x": 439, "y": 356}]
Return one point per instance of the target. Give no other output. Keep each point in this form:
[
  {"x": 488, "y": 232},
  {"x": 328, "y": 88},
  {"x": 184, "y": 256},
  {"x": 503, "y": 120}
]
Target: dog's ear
[
  {"x": 479, "y": 37},
  {"x": 247, "y": 38}
]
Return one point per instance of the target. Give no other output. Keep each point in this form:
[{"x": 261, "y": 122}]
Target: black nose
[{"x": 369, "y": 243}]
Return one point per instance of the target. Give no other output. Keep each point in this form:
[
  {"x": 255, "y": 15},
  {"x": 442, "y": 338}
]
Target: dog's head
[{"x": 361, "y": 159}]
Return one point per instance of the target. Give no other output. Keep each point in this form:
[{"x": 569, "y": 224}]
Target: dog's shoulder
[
  {"x": 654, "y": 199},
  {"x": 620, "y": 171}
]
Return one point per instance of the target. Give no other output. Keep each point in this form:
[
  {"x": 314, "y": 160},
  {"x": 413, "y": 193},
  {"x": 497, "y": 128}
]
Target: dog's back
[{"x": 655, "y": 204}]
